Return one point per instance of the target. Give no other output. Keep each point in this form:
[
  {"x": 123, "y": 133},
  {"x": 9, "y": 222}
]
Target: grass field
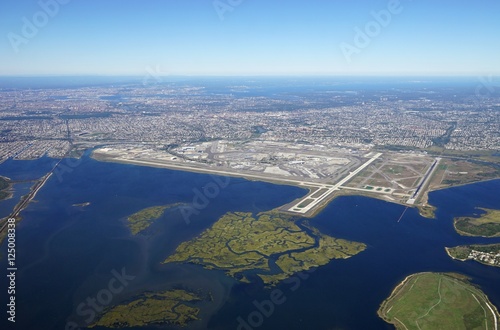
[{"x": 438, "y": 301}]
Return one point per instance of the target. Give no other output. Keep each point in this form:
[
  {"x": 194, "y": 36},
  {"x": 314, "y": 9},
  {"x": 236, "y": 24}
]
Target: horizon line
[{"x": 48, "y": 75}]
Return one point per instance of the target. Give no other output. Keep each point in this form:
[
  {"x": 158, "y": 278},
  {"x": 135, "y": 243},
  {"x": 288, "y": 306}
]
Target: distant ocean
[{"x": 223, "y": 82}]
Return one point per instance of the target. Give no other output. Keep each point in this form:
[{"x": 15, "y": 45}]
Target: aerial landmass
[
  {"x": 485, "y": 254},
  {"x": 327, "y": 172},
  {"x": 438, "y": 301},
  {"x": 141, "y": 220},
  {"x": 240, "y": 242},
  {"x": 385, "y": 148},
  {"x": 448, "y": 124},
  {"x": 333, "y": 124},
  {"x": 485, "y": 225},
  {"x": 174, "y": 307}
]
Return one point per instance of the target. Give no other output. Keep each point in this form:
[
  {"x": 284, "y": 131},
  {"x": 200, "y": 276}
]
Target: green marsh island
[
  {"x": 271, "y": 245},
  {"x": 486, "y": 225},
  {"x": 438, "y": 301},
  {"x": 485, "y": 254},
  {"x": 174, "y": 307},
  {"x": 141, "y": 220}
]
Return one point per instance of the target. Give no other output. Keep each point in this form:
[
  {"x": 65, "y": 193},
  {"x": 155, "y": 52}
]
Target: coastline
[
  {"x": 426, "y": 210},
  {"x": 23, "y": 203},
  {"x": 465, "y": 218},
  {"x": 259, "y": 178},
  {"x": 471, "y": 259},
  {"x": 195, "y": 169},
  {"x": 392, "y": 296},
  {"x": 465, "y": 234},
  {"x": 462, "y": 184},
  {"x": 452, "y": 257}
]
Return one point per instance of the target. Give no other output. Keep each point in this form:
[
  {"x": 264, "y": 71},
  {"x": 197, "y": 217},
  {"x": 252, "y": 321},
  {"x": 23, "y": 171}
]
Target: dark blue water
[{"x": 66, "y": 254}]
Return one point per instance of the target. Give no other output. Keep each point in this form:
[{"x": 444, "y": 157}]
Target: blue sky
[{"x": 250, "y": 37}]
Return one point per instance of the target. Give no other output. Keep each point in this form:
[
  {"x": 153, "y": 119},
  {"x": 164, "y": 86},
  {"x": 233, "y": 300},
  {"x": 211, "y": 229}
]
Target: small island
[
  {"x": 270, "y": 245},
  {"x": 174, "y": 307},
  {"x": 141, "y": 220},
  {"x": 438, "y": 301},
  {"x": 81, "y": 204},
  {"x": 487, "y": 225},
  {"x": 485, "y": 254}
]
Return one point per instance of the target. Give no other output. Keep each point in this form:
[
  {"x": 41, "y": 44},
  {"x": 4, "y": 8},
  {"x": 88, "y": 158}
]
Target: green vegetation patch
[
  {"x": 438, "y": 301},
  {"x": 427, "y": 211},
  {"x": 239, "y": 242},
  {"x": 168, "y": 307},
  {"x": 328, "y": 248},
  {"x": 487, "y": 225},
  {"x": 485, "y": 254},
  {"x": 141, "y": 220}
]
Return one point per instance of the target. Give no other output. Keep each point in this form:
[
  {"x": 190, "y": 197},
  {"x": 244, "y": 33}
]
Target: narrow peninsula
[{"x": 486, "y": 254}]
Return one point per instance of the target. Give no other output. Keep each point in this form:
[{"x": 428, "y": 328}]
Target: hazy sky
[{"x": 250, "y": 37}]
